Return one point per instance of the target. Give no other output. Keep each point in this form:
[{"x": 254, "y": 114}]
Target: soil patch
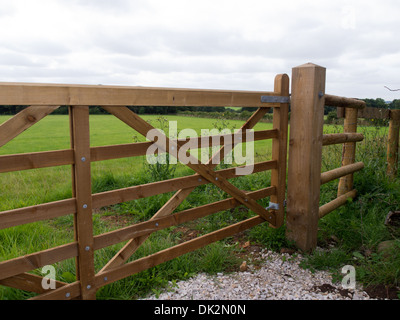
[
  {"x": 383, "y": 292},
  {"x": 118, "y": 220},
  {"x": 186, "y": 234},
  {"x": 327, "y": 288}
]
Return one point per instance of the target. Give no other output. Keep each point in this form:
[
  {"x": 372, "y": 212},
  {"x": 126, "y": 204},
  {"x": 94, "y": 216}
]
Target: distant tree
[
  {"x": 10, "y": 110},
  {"x": 395, "y": 104},
  {"x": 376, "y": 103},
  {"x": 211, "y": 109}
]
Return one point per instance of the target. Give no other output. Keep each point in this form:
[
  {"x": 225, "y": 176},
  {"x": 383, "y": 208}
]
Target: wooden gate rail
[
  {"x": 305, "y": 154},
  {"x": 29, "y": 94},
  {"x": 37, "y": 160},
  {"x": 43, "y": 99},
  {"x": 61, "y": 208},
  {"x": 37, "y": 260}
]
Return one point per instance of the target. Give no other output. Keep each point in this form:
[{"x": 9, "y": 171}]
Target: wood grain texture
[
  {"x": 279, "y": 148},
  {"x": 65, "y": 94},
  {"x": 349, "y": 151},
  {"x": 83, "y": 194},
  {"x": 305, "y": 155}
]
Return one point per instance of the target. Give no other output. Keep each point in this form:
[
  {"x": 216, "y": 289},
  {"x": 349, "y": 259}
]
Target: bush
[{"x": 332, "y": 117}]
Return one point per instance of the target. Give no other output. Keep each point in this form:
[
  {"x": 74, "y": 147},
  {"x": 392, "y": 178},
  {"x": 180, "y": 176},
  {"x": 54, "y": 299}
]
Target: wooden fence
[
  {"x": 393, "y": 116},
  {"x": 304, "y": 176},
  {"x": 44, "y": 99}
]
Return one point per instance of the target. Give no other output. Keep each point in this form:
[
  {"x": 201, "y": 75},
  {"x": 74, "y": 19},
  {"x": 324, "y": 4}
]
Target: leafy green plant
[{"x": 162, "y": 169}]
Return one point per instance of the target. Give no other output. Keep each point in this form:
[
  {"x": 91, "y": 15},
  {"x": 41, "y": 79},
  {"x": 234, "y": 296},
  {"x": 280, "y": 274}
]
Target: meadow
[{"x": 350, "y": 235}]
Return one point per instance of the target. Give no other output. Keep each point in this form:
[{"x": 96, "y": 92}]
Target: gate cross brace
[
  {"x": 141, "y": 126},
  {"x": 130, "y": 118}
]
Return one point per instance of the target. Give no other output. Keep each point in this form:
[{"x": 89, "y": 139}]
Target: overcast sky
[{"x": 218, "y": 44}]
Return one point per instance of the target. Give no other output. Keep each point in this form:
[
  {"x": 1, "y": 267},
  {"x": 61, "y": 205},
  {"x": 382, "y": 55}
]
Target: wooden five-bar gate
[{"x": 304, "y": 175}]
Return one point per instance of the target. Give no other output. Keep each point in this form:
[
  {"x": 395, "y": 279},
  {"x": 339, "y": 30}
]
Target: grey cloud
[{"x": 133, "y": 42}]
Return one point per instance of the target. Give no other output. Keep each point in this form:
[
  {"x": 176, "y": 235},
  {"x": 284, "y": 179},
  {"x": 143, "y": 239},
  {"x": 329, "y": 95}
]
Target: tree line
[
  {"x": 374, "y": 103},
  {"x": 12, "y": 110}
]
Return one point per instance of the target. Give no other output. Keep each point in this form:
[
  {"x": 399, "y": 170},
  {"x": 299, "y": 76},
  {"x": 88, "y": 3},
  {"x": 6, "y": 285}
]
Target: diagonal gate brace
[
  {"x": 140, "y": 125},
  {"x": 131, "y": 247}
]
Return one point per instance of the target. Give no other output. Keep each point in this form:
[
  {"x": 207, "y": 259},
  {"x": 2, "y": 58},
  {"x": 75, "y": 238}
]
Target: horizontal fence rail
[
  {"x": 61, "y": 208},
  {"x": 340, "y": 172},
  {"x": 338, "y": 202},
  {"x": 53, "y": 94},
  {"x": 43, "y": 99},
  {"x": 340, "y": 102},
  {"x": 339, "y": 138},
  {"x": 37, "y": 160}
]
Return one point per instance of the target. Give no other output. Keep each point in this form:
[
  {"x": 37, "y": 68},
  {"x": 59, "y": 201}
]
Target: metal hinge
[
  {"x": 275, "y": 206},
  {"x": 275, "y": 99}
]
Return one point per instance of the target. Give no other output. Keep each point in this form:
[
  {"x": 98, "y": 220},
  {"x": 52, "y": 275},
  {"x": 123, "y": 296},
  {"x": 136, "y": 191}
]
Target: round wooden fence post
[
  {"x": 393, "y": 144},
  {"x": 349, "y": 151}
]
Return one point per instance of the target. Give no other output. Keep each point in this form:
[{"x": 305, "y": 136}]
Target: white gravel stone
[{"x": 279, "y": 277}]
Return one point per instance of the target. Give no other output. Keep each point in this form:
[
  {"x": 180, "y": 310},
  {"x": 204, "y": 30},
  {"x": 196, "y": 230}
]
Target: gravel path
[{"x": 274, "y": 277}]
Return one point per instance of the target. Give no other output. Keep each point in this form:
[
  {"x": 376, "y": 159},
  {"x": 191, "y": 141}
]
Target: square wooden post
[{"x": 305, "y": 154}]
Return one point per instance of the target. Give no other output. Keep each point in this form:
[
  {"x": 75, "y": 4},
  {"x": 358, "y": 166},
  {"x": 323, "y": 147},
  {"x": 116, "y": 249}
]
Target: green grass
[
  {"x": 26, "y": 188},
  {"x": 351, "y": 234},
  {"x": 52, "y": 133},
  {"x": 356, "y": 228}
]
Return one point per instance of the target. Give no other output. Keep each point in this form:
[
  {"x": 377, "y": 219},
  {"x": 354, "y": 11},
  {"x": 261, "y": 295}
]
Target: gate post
[{"x": 305, "y": 154}]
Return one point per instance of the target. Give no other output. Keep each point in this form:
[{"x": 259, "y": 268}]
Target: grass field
[
  {"x": 52, "y": 133},
  {"x": 357, "y": 228}
]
